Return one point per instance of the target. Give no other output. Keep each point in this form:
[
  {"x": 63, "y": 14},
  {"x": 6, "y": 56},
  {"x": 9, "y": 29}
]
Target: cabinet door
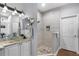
[
  {"x": 2, "y": 52},
  {"x": 13, "y": 50},
  {"x": 6, "y": 51},
  {"x": 25, "y": 49}
]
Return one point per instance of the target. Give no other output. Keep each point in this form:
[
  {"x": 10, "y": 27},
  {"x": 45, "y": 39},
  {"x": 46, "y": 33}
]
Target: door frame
[{"x": 77, "y": 16}]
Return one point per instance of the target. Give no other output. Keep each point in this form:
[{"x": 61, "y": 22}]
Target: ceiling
[{"x": 49, "y": 6}]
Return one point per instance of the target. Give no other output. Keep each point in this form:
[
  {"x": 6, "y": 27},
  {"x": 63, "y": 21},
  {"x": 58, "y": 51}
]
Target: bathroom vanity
[
  {"x": 15, "y": 34},
  {"x": 17, "y": 38},
  {"x": 15, "y": 47}
]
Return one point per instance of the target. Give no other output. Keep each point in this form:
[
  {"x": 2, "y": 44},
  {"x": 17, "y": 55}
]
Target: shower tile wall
[{"x": 52, "y": 18}]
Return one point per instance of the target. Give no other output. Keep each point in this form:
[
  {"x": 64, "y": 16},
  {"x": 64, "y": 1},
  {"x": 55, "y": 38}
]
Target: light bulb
[
  {"x": 20, "y": 15},
  {"x": 14, "y": 12},
  {"x": 4, "y": 9}
]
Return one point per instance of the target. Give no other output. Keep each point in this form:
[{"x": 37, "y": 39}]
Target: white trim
[
  {"x": 77, "y": 16},
  {"x": 77, "y": 32}
]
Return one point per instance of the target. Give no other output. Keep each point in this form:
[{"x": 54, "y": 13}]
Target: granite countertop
[{"x": 16, "y": 40}]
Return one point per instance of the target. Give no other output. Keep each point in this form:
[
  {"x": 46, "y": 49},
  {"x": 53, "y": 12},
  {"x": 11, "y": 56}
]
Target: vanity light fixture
[
  {"x": 5, "y": 8},
  {"x": 14, "y": 12}
]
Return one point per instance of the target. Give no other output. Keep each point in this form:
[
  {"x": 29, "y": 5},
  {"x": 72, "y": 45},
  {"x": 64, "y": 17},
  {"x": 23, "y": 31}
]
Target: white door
[{"x": 69, "y": 33}]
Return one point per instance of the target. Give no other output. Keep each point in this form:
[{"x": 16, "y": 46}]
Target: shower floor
[{"x": 45, "y": 51}]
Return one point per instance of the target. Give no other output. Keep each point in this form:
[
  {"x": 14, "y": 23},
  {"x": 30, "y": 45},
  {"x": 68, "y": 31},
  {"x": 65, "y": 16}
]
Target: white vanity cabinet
[
  {"x": 12, "y": 50},
  {"x": 19, "y": 49},
  {"x": 25, "y": 48}
]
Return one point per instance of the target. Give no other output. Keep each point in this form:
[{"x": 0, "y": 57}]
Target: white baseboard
[{"x": 55, "y": 54}]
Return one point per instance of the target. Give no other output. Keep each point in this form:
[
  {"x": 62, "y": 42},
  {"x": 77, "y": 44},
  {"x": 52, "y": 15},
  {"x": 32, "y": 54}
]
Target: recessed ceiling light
[{"x": 43, "y": 4}]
